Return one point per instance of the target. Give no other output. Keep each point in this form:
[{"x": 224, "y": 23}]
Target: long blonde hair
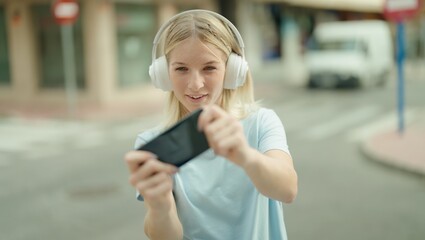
[{"x": 209, "y": 29}]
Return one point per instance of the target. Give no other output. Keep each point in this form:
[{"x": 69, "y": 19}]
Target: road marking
[
  {"x": 293, "y": 105},
  {"x": 384, "y": 123},
  {"x": 340, "y": 122},
  {"x": 17, "y": 136},
  {"x": 90, "y": 138},
  {"x": 302, "y": 117}
]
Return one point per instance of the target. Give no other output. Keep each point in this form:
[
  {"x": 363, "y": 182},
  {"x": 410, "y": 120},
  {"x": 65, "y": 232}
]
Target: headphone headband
[{"x": 220, "y": 17}]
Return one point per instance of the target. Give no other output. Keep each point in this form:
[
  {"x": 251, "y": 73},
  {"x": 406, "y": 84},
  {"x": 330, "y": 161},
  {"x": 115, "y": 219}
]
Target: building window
[
  {"x": 136, "y": 27},
  {"x": 4, "y": 51},
  {"x": 49, "y": 42}
]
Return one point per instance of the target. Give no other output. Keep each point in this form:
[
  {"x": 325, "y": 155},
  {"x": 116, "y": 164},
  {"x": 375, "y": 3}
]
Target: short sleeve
[{"x": 271, "y": 132}]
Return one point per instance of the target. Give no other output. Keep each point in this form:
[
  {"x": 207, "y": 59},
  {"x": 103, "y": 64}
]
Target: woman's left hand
[
  {"x": 224, "y": 133},
  {"x": 272, "y": 173}
]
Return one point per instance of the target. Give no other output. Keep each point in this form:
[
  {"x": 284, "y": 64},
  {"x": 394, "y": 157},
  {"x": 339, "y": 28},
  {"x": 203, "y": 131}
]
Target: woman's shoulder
[
  {"x": 266, "y": 111},
  {"x": 262, "y": 113},
  {"x": 262, "y": 117}
]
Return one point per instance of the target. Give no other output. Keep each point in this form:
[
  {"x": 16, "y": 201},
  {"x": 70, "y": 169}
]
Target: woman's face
[{"x": 197, "y": 73}]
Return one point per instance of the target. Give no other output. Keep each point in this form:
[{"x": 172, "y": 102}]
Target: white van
[{"x": 350, "y": 53}]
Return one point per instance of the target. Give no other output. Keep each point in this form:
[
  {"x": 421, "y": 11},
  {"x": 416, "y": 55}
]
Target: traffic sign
[
  {"x": 65, "y": 12},
  {"x": 399, "y": 10}
]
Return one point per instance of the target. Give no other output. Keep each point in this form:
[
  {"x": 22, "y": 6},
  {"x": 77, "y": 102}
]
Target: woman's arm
[
  {"x": 152, "y": 179},
  {"x": 163, "y": 223},
  {"x": 272, "y": 173}
]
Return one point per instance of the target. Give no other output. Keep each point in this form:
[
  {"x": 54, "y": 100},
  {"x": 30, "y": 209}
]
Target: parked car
[{"x": 350, "y": 53}]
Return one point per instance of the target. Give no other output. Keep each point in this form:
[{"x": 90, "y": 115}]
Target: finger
[
  {"x": 223, "y": 136},
  {"x": 226, "y": 145},
  {"x": 229, "y": 137},
  {"x": 159, "y": 189},
  {"x": 153, "y": 166},
  {"x": 135, "y": 159},
  {"x": 149, "y": 169},
  {"x": 216, "y": 135},
  {"x": 203, "y": 118},
  {"x": 154, "y": 182},
  {"x": 222, "y": 128},
  {"x": 224, "y": 122},
  {"x": 209, "y": 114}
]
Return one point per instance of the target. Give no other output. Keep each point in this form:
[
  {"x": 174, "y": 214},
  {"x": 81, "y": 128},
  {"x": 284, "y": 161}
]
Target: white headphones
[{"x": 236, "y": 67}]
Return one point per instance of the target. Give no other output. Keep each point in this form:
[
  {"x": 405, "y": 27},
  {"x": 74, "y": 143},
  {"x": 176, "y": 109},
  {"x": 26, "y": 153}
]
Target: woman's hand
[
  {"x": 272, "y": 173},
  {"x": 151, "y": 177},
  {"x": 225, "y": 134}
]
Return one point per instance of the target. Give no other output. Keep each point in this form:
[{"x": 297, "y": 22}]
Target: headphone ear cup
[
  {"x": 158, "y": 71},
  {"x": 236, "y": 70}
]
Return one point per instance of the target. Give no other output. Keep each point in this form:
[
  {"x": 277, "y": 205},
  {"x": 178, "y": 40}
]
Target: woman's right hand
[{"x": 151, "y": 177}]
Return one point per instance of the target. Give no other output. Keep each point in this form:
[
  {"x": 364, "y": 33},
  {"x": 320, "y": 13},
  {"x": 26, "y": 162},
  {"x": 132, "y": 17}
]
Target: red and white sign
[
  {"x": 65, "y": 12},
  {"x": 399, "y": 10}
]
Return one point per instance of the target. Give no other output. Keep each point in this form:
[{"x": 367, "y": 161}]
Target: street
[
  {"x": 342, "y": 195},
  {"x": 76, "y": 187}
]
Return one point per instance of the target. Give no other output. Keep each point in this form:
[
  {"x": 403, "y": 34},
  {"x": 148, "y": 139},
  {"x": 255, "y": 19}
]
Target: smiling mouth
[{"x": 195, "y": 97}]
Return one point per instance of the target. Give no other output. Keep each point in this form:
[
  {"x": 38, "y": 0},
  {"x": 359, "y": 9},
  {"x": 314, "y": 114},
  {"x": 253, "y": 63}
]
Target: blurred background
[{"x": 328, "y": 68}]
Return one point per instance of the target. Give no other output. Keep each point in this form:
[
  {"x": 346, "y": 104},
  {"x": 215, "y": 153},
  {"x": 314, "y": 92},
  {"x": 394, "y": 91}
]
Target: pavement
[{"x": 402, "y": 149}]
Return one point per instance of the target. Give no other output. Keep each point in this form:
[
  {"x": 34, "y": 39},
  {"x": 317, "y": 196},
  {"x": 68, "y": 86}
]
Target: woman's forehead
[{"x": 195, "y": 48}]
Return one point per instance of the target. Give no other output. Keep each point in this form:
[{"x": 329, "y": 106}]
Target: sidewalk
[
  {"x": 91, "y": 113},
  {"x": 405, "y": 150}
]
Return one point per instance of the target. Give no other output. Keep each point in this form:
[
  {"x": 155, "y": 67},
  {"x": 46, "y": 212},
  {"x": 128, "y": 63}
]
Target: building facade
[{"x": 112, "y": 50}]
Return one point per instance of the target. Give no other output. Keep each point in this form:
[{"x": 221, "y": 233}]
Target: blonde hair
[{"x": 239, "y": 102}]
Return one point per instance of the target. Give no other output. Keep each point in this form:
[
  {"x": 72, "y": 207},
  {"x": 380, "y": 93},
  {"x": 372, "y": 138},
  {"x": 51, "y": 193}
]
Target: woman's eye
[
  {"x": 181, "y": 69},
  {"x": 210, "y": 68}
]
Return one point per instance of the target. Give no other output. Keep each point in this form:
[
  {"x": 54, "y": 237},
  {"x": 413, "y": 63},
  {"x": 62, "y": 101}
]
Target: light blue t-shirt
[{"x": 215, "y": 198}]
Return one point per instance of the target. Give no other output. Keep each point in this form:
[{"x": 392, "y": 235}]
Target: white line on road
[
  {"x": 341, "y": 122},
  {"x": 18, "y": 136},
  {"x": 384, "y": 123},
  {"x": 298, "y": 119},
  {"x": 89, "y": 139},
  {"x": 293, "y": 105}
]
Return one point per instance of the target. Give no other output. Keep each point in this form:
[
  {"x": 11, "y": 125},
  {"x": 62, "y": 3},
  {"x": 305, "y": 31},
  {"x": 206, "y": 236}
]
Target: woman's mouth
[{"x": 196, "y": 98}]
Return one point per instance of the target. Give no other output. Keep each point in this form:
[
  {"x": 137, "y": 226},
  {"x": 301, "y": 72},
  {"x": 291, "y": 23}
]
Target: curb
[{"x": 383, "y": 154}]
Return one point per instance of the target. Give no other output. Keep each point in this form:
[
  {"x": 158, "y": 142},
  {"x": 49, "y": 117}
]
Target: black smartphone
[{"x": 180, "y": 143}]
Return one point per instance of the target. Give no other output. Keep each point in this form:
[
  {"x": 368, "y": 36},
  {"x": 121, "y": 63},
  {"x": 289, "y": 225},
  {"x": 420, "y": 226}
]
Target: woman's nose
[{"x": 196, "y": 81}]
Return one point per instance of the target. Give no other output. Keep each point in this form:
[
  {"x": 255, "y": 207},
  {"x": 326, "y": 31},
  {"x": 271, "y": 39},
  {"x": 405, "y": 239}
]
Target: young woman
[{"x": 234, "y": 190}]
